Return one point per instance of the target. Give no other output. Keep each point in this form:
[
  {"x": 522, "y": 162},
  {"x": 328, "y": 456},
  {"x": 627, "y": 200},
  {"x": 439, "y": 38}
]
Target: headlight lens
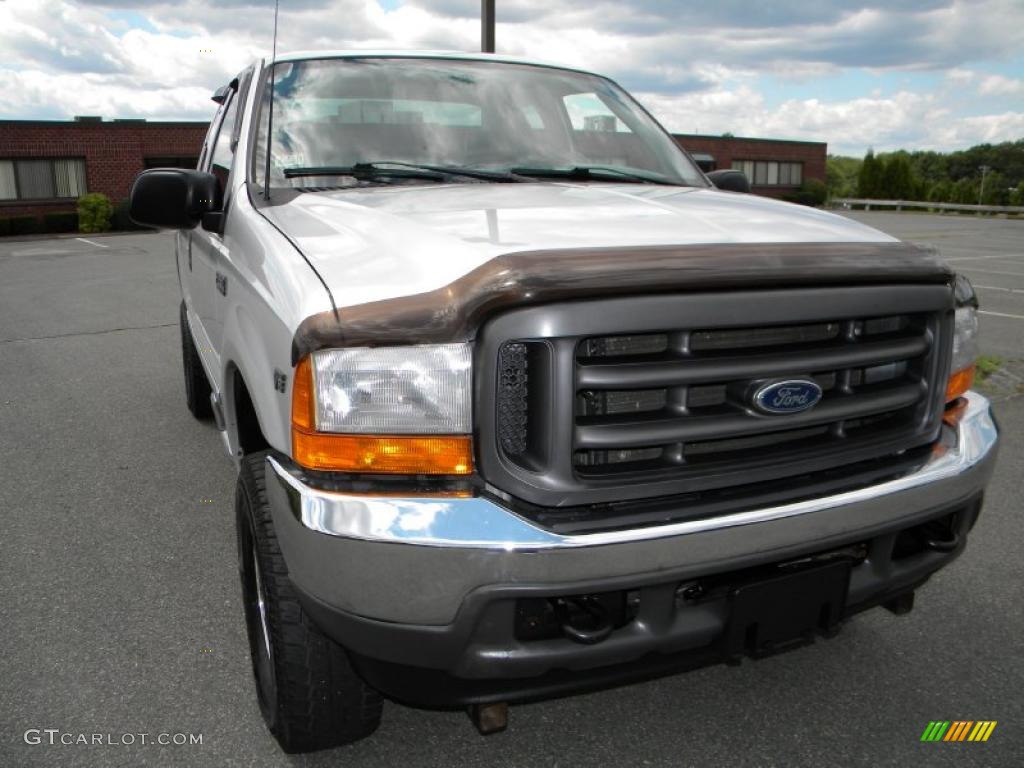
[
  {"x": 965, "y": 340},
  {"x": 422, "y": 390},
  {"x": 399, "y": 410}
]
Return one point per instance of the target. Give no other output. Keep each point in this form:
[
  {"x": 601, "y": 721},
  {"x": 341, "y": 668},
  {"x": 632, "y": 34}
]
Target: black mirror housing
[
  {"x": 730, "y": 179},
  {"x": 173, "y": 198}
]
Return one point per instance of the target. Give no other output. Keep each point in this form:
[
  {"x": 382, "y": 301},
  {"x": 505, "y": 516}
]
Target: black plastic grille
[
  {"x": 699, "y": 407},
  {"x": 614, "y": 400},
  {"x": 513, "y": 382}
]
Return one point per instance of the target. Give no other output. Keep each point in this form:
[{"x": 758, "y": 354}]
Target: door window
[{"x": 223, "y": 154}]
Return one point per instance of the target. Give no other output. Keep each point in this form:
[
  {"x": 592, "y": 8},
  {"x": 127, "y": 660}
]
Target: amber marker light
[
  {"x": 387, "y": 454},
  {"x": 959, "y": 382}
]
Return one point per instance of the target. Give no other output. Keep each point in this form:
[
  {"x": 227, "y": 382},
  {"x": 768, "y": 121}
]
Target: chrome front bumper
[{"x": 416, "y": 559}]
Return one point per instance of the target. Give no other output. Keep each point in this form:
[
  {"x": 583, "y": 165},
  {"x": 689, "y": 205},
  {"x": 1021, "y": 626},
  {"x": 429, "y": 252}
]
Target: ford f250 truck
[{"x": 523, "y": 403}]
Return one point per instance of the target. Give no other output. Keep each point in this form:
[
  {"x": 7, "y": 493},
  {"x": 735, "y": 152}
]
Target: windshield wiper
[
  {"x": 592, "y": 173},
  {"x": 380, "y": 168},
  {"x": 454, "y": 170},
  {"x": 362, "y": 171}
]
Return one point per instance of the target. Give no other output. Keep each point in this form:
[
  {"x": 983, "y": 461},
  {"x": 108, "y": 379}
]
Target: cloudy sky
[{"x": 937, "y": 74}]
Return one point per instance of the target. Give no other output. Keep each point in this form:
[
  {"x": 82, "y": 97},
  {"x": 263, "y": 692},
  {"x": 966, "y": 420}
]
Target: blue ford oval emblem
[{"x": 791, "y": 396}]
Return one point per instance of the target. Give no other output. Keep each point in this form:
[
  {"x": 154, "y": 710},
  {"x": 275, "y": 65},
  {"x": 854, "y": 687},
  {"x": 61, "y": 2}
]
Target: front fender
[{"x": 249, "y": 343}]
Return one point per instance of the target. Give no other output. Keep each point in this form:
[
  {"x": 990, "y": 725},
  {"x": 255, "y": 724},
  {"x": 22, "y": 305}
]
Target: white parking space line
[
  {"x": 90, "y": 242},
  {"x": 997, "y": 288},
  {"x": 41, "y": 252},
  {"x": 994, "y": 272},
  {"x": 980, "y": 258},
  {"x": 1000, "y": 314}
]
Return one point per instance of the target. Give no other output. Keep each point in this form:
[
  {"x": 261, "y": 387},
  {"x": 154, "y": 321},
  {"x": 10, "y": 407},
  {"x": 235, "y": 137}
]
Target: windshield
[{"x": 331, "y": 115}]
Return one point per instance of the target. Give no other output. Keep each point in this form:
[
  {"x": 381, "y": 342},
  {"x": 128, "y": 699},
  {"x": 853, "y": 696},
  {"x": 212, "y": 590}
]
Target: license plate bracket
[{"x": 779, "y": 612}]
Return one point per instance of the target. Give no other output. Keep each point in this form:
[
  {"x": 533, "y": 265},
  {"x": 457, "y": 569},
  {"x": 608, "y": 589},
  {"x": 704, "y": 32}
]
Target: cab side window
[{"x": 223, "y": 155}]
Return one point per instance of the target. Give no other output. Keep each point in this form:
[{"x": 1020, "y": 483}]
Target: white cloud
[
  {"x": 997, "y": 85},
  {"x": 902, "y": 120},
  {"x": 699, "y": 66}
]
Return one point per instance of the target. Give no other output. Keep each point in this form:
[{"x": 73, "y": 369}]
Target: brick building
[
  {"x": 46, "y": 165},
  {"x": 775, "y": 167}
]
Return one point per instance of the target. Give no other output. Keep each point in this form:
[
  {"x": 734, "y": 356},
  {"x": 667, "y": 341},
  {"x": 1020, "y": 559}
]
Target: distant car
[{"x": 522, "y": 404}]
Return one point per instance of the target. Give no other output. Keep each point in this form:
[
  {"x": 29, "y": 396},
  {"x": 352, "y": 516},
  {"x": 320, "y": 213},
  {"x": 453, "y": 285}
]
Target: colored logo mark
[{"x": 958, "y": 730}]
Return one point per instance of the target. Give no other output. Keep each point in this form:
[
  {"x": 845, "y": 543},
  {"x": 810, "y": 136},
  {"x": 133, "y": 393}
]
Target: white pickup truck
[{"x": 523, "y": 403}]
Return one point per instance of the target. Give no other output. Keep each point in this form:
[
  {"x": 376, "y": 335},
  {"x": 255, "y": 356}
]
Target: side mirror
[
  {"x": 173, "y": 198},
  {"x": 730, "y": 180}
]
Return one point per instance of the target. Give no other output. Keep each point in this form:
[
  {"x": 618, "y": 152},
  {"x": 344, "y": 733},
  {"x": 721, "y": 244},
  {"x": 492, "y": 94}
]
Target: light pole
[
  {"x": 487, "y": 26},
  {"x": 981, "y": 190}
]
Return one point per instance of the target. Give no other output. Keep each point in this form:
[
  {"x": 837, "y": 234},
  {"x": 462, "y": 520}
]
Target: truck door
[
  {"x": 209, "y": 249},
  {"x": 194, "y": 270}
]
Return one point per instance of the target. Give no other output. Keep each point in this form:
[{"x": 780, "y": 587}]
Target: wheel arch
[
  {"x": 254, "y": 357},
  {"x": 242, "y": 419}
]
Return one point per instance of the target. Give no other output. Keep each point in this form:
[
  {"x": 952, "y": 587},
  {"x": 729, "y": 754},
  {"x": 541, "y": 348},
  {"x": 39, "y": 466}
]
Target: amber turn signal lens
[
  {"x": 303, "y": 415},
  {"x": 388, "y": 454},
  {"x": 391, "y": 454},
  {"x": 959, "y": 383}
]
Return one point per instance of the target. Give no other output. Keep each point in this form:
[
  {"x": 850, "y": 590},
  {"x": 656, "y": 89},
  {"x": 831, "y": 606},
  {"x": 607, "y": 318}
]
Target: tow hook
[
  {"x": 947, "y": 544},
  {"x": 941, "y": 535},
  {"x": 584, "y": 619},
  {"x": 489, "y": 718}
]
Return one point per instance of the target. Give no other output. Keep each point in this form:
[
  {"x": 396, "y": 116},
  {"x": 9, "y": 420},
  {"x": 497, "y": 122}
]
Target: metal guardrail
[{"x": 846, "y": 202}]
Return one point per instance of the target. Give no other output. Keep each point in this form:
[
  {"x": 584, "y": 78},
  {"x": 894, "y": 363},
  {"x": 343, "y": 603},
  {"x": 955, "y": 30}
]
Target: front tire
[
  {"x": 197, "y": 386},
  {"x": 309, "y": 695}
]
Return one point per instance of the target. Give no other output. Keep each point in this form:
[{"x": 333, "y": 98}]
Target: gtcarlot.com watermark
[{"x": 55, "y": 737}]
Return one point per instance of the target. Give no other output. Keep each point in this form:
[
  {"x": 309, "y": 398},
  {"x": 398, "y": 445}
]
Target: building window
[
  {"x": 769, "y": 173},
  {"x": 42, "y": 179}
]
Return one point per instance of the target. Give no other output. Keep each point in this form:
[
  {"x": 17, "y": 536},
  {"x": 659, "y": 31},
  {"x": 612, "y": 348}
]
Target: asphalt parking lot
[{"x": 121, "y": 608}]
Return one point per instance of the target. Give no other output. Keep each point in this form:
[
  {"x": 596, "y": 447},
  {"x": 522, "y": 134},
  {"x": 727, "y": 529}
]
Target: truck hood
[{"x": 371, "y": 244}]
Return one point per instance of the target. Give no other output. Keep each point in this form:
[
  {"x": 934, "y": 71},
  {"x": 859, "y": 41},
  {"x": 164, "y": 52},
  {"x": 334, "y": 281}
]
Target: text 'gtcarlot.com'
[{"x": 54, "y": 736}]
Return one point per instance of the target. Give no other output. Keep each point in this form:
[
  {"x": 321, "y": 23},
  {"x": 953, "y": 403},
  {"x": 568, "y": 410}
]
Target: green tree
[
  {"x": 897, "y": 178},
  {"x": 940, "y": 177},
  {"x": 930, "y": 166},
  {"x": 841, "y": 175},
  {"x": 1017, "y": 195},
  {"x": 965, "y": 191},
  {"x": 941, "y": 192},
  {"x": 996, "y": 190},
  {"x": 869, "y": 178}
]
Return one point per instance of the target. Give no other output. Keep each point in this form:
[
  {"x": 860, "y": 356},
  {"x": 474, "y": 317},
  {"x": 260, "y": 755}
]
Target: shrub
[
  {"x": 65, "y": 221},
  {"x": 94, "y": 212},
  {"x": 5, "y": 227},
  {"x": 811, "y": 192},
  {"x": 24, "y": 225}
]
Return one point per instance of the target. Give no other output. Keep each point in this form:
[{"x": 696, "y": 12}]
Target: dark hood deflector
[{"x": 454, "y": 312}]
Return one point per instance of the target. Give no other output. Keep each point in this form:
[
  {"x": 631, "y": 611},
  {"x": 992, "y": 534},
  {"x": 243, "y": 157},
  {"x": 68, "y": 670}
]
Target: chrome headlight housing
[
  {"x": 421, "y": 390},
  {"x": 399, "y": 410}
]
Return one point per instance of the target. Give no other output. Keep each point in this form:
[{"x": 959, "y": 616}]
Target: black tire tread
[{"x": 321, "y": 701}]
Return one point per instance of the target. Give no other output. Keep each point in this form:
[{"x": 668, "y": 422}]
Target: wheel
[
  {"x": 309, "y": 695},
  {"x": 197, "y": 386}
]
